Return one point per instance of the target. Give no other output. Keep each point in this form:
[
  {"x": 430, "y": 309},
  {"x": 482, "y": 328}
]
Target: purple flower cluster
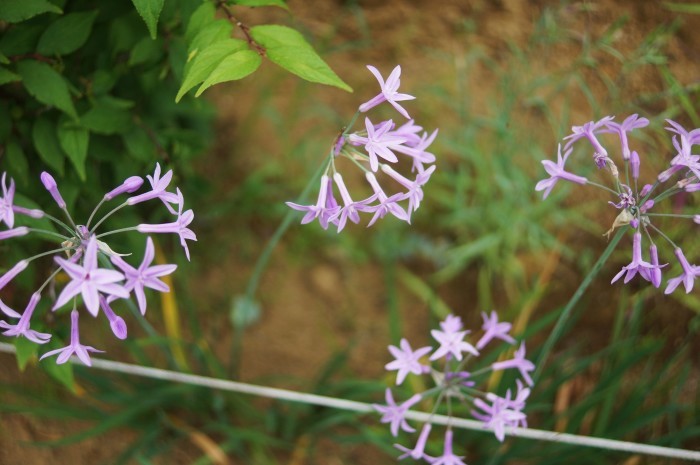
[
  {"x": 97, "y": 282},
  {"x": 374, "y": 150},
  {"x": 635, "y": 201},
  {"x": 454, "y": 383}
]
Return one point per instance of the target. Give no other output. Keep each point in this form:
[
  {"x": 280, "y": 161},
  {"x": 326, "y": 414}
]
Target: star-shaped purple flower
[
  {"x": 448, "y": 457},
  {"x": 378, "y": 143},
  {"x": 178, "y": 226},
  {"x": 326, "y": 207},
  {"x": 621, "y": 129},
  {"x": 407, "y": 360},
  {"x": 394, "y": 414},
  {"x": 144, "y": 276},
  {"x": 417, "y": 452},
  {"x": 637, "y": 265},
  {"x": 452, "y": 343},
  {"x": 22, "y": 326},
  {"x": 687, "y": 277},
  {"x": 518, "y": 361},
  {"x": 75, "y": 347},
  {"x": 158, "y": 186},
  {"x": 556, "y": 172},
  {"x": 89, "y": 280},
  {"x": 350, "y": 209},
  {"x": 494, "y": 330},
  {"x": 388, "y": 91}
]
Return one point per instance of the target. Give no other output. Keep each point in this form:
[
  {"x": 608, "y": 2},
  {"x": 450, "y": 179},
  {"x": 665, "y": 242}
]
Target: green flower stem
[
  {"x": 261, "y": 265},
  {"x": 558, "y": 330},
  {"x": 60, "y": 223},
  {"x": 92, "y": 215},
  {"x": 131, "y": 228},
  {"x": 50, "y": 233},
  {"x": 114, "y": 210},
  {"x": 351, "y": 123}
]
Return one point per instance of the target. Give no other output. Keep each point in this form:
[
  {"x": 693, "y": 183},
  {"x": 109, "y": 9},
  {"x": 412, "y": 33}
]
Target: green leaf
[
  {"x": 47, "y": 144},
  {"x": 279, "y": 3},
  {"x": 149, "y": 11},
  {"x": 290, "y": 50},
  {"x": 46, "y": 85},
  {"x": 201, "y": 17},
  {"x": 67, "y": 34},
  {"x": 74, "y": 141},
  {"x": 204, "y": 62},
  {"x": 17, "y": 162},
  {"x": 14, "y": 11},
  {"x": 62, "y": 373},
  {"x": 105, "y": 117},
  {"x": 4, "y": 60},
  {"x": 26, "y": 350},
  {"x": 215, "y": 31},
  {"x": 692, "y": 8},
  {"x": 8, "y": 76},
  {"x": 139, "y": 145},
  {"x": 146, "y": 50},
  {"x": 233, "y": 67},
  {"x": 20, "y": 40}
]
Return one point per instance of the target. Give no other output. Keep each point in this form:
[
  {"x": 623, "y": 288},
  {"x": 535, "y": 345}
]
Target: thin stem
[
  {"x": 50, "y": 233},
  {"x": 114, "y": 210},
  {"x": 362, "y": 407},
  {"x": 60, "y": 223},
  {"x": 70, "y": 218},
  {"x": 566, "y": 312},
  {"x": 261, "y": 265},
  {"x": 92, "y": 215},
  {"x": 351, "y": 123},
  {"x": 606, "y": 188},
  {"x": 108, "y": 233}
]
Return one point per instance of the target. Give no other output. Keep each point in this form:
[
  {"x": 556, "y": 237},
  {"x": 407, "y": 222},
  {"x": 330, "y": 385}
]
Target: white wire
[{"x": 361, "y": 407}]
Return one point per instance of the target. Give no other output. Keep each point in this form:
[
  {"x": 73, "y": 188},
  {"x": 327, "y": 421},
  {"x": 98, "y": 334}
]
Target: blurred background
[{"x": 503, "y": 81}]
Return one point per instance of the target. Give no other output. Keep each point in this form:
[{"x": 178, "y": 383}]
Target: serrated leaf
[
  {"x": 106, "y": 118},
  {"x": 20, "y": 40},
  {"x": 47, "y": 144},
  {"x": 215, "y": 31},
  {"x": 204, "y": 62},
  {"x": 231, "y": 68},
  {"x": 17, "y": 162},
  {"x": 46, "y": 85},
  {"x": 253, "y": 3},
  {"x": 201, "y": 17},
  {"x": 14, "y": 11},
  {"x": 74, "y": 141},
  {"x": 290, "y": 50},
  {"x": 149, "y": 10},
  {"x": 25, "y": 350},
  {"x": 8, "y": 76},
  {"x": 67, "y": 34}
]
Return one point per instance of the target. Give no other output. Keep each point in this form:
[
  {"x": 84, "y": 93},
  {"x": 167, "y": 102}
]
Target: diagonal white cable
[{"x": 292, "y": 396}]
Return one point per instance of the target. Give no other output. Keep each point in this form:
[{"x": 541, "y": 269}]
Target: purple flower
[
  {"x": 634, "y": 164},
  {"x": 386, "y": 204},
  {"x": 394, "y": 414},
  {"x": 22, "y": 326},
  {"x": 621, "y": 129},
  {"x": 321, "y": 210},
  {"x": 144, "y": 276},
  {"x": 7, "y": 213},
  {"x": 378, "y": 143},
  {"x": 452, "y": 343},
  {"x": 655, "y": 274},
  {"x": 418, "y": 151},
  {"x": 16, "y": 232},
  {"x": 158, "y": 186},
  {"x": 687, "y": 277},
  {"x": 75, "y": 347},
  {"x": 115, "y": 321},
  {"x": 409, "y": 131},
  {"x": 451, "y": 324},
  {"x": 350, "y": 208},
  {"x": 637, "y": 265},
  {"x": 50, "y": 184},
  {"x": 556, "y": 172},
  {"x": 494, "y": 330},
  {"x": 417, "y": 452},
  {"x": 589, "y": 130},
  {"x": 12, "y": 272},
  {"x": 388, "y": 91},
  {"x": 407, "y": 360},
  {"x": 501, "y": 413},
  {"x": 178, "y": 227},
  {"x": 519, "y": 361},
  {"x": 447, "y": 457},
  {"x": 415, "y": 191},
  {"x": 130, "y": 185},
  {"x": 89, "y": 280},
  {"x": 692, "y": 136}
]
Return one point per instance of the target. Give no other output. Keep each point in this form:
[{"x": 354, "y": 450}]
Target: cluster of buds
[
  {"x": 635, "y": 201},
  {"x": 453, "y": 382},
  {"x": 97, "y": 274},
  {"x": 375, "y": 149}
]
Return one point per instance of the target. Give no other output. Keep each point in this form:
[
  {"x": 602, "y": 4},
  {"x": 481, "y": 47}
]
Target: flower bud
[
  {"x": 50, "y": 185},
  {"x": 634, "y": 163},
  {"x": 131, "y": 184}
]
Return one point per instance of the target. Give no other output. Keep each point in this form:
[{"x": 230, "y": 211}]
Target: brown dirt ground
[{"x": 316, "y": 305}]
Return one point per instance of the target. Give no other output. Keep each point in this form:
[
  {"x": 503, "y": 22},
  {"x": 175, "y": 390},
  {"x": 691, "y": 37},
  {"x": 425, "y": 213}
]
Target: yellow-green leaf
[
  {"x": 149, "y": 10},
  {"x": 231, "y": 68}
]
